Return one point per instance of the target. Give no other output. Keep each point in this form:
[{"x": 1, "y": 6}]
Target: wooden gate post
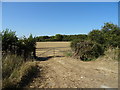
[{"x": 34, "y": 53}]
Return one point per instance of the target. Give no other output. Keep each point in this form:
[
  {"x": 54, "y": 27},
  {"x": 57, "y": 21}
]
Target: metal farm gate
[{"x": 46, "y": 52}]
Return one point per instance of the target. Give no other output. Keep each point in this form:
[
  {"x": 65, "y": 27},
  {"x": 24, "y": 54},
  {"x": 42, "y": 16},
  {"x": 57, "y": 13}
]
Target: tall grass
[
  {"x": 9, "y": 63},
  {"x": 15, "y": 71},
  {"x": 113, "y": 53}
]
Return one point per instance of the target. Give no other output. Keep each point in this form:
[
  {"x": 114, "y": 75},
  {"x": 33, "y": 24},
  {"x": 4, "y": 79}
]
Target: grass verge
[
  {"x": 18, "y": 72},
  {"x": 113, "y": 53}
]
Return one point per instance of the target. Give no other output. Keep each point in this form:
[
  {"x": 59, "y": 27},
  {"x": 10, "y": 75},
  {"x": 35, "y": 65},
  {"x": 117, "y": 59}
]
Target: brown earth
[{"x": 63, "y": 72}]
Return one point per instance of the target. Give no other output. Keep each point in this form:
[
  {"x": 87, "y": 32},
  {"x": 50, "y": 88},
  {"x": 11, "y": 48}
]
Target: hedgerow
[{"x": 11, "y": 44}]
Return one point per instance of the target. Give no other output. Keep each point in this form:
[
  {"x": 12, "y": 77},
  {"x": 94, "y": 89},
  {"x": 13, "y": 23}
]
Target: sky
[{"x": 50, "y": 18}]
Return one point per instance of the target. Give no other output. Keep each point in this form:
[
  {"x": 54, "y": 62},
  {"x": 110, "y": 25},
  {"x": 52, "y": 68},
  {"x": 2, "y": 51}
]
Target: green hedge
[{"x": 11, "y": 44}]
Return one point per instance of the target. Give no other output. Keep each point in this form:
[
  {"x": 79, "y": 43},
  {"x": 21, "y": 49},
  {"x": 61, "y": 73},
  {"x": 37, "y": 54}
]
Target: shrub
[
  {"x": 11, "y": 44},
  {"x": 108, "y": 36},
  {"x": 86, "y": 50},
  {"x": 9, "y": 40},
  {"x": 96, "y": 36},
  {"x": 73, "y": 44}
]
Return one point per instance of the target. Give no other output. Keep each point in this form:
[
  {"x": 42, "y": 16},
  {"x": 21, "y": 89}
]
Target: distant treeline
[{"x": 59, "y": 37}]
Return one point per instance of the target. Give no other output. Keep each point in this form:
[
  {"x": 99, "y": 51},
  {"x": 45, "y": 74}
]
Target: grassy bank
[
  {"x": 16, "y": 72},
  {"x": 112, "y": 54}
]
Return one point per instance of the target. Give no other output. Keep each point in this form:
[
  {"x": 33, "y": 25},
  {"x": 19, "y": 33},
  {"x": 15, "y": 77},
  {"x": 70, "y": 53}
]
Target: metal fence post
[{"x": 54, "y": 52}]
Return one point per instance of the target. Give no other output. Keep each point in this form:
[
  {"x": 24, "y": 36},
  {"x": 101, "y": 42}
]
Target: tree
[
  {"x": 108, "y": 27},
  {"x": 111, "y": 34},
  {"x": 58, "y": 37}
]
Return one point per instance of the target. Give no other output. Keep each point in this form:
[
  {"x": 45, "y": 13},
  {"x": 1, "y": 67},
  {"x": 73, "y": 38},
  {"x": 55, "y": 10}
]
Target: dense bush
[
  {"x": 99, "y": 41},
  {"x": 28, "y": 47},
  {"x": 86, "y": 50},
  {"x": 96, "y": 36},
  {"x": 108, "y": 36},
  {"x": 11, "y": 44},
  {"x": 9, "y": 41}
]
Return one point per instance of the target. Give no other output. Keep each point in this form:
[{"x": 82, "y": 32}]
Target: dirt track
[{"x": 64, "y": 72}]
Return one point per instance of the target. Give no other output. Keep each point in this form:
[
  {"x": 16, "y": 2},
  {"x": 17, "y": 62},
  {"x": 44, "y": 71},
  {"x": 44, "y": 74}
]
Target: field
[
  {"x": 67, "y": 72},
  {"x": 45, "y": 49}
]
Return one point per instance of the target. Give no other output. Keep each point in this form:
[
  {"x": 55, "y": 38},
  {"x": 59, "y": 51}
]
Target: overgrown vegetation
[
  {"x": 16, "y": 71},
  {"x": 108, "y": 36},
  {"x": 18, "y": 54},
  {"x": 9, "y": 63},
  {"x": 11, "y": 44},
  {"x": 113, "y": 53},
  {"x": 86, "y": 50},
  {"x": 97, "y": 42}
]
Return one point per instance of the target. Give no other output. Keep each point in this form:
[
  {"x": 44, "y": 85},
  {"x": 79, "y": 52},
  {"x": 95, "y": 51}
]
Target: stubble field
[{"x": 45, "y": 49}]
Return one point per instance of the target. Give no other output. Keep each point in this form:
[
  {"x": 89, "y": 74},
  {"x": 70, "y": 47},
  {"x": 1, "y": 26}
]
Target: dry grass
[
  {"x": 52, "y": 44},
  {"x": 113, "y": 53},
  {"x": 110, "y": 59},
  {"x": 16, "y": 71}
]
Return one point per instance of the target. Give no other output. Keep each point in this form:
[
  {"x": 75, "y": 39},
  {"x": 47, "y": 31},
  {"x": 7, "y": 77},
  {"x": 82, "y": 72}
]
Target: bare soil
[{"x": 66, "y": 72}]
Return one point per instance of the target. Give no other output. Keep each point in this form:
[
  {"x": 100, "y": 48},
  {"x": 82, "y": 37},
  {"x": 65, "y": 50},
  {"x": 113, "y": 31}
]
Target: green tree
[
  {"x": 58, "y": 37},
  {"x": 111, "y": 34},
  {"x": 108, "y": 27}
]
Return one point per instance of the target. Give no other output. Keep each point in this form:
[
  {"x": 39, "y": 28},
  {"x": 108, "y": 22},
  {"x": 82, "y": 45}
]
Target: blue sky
[{"x": 50, "y": 18}]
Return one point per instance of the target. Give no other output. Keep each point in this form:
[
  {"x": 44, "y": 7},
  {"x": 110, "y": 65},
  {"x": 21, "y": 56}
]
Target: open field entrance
[{"x": 52, "y": 49}]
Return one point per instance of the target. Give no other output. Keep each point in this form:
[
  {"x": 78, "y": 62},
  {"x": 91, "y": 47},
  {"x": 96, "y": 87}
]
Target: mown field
[{"x": 51, "y": 48}]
